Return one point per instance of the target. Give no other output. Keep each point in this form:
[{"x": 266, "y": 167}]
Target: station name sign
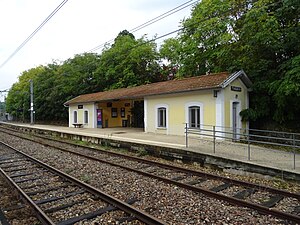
[{"x": 235, "y": 88}]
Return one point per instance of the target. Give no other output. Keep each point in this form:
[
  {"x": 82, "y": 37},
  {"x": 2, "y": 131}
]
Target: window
[
  {"x": 194, "y": 117},
  {"x": 122, "y": 112},
  {"x": 86, "y": 117},
  {"x": 75, "y": 116},
  {"x": 114, "y": 112},
  {"x": 161, "y": 117}
]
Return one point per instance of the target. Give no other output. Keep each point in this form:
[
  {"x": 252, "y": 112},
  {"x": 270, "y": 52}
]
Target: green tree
[
  {"x": 77, "y": 75},
  {"x": 207, "y": 38},
  {"x": 268, "y": 42},
  {"x": 170, "y": 53},
  {"x": 46, "y": 91},
  {"x": 287, "y": 91},
  {"x": 259, "y": 36},
  {"x": 18, "y": 98},
  {"x": 128, "y": 62}
]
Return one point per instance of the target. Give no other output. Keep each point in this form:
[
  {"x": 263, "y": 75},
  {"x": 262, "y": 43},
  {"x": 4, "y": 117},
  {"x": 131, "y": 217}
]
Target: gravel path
[{"x": 169, "y": 203}]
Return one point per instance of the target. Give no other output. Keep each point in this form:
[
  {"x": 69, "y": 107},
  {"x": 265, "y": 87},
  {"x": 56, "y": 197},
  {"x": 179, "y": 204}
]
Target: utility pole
[
  {"x": 3, "y": 110},
  {"x": 31, "y": 102}
]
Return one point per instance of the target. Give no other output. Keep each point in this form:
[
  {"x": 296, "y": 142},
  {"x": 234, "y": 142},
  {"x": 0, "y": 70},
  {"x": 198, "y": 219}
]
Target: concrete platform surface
[{"x": 265, "y": 157}]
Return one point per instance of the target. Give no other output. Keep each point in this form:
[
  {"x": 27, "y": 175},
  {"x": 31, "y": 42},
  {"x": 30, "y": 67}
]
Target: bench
[{"x": 77, "y": 125}]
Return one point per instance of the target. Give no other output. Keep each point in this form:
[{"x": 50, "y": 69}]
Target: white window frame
[
  {"x": 157, "y": 107},
  {"x": 187, "y": 113},
  {"x": 75, "y": 118},
  {"x": 163, "y": 123},
  {"x": 88, "y": 115},
  {"x": 195, "y": 117}
]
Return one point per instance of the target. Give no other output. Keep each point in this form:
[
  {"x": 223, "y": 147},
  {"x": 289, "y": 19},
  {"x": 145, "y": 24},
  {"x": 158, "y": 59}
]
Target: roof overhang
[
  {"x": 205, "y": 82},
  {"x": 78, "y": 103},
  {"x": 184, "y": 91},
  {"x": 240, "y": 74}
]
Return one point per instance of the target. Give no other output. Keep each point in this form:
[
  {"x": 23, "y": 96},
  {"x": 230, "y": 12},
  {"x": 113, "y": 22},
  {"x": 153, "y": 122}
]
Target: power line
[
  {"x": 149, "y": 22},
  {"x": 178, "y": 30},
  {"x": 34, "y": 32},
  {"x": 192, "y": 24},
  {"x": 154, "y": 20},
  {"x": 162, "y": 16}
]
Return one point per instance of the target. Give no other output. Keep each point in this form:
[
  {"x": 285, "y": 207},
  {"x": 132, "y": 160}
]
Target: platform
[{"x": 227, "y": 155}]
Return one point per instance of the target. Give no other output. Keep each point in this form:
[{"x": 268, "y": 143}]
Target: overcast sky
[{"x": 77, "y": 27}]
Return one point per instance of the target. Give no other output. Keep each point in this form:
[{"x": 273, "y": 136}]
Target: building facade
[{"x": 167, "y": 107}]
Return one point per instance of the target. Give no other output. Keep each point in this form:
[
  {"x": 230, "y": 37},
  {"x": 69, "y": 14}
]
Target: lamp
[{"x": 216, "y": 93}]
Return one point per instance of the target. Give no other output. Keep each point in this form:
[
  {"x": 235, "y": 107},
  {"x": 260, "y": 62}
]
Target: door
[
  {"x": 138, "y": 114},
  {"x": 99, "y": 118},
  {"x": 235, "y": 127}
]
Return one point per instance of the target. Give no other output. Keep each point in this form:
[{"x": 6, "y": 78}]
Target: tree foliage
[
  {"x": 18, "y": 98},
  {"x": 127, "y": 62},
  {"x": 259, "y": 36}
]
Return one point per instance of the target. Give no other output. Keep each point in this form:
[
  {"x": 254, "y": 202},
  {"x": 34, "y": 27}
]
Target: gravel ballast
[{"x": 167, "y": 202}]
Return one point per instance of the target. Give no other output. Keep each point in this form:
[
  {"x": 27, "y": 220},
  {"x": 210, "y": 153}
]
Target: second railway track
[{"x": 263, "y": 199}]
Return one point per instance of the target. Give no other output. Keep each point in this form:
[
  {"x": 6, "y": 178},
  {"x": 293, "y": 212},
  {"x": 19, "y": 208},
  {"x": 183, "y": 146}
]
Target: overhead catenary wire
[
  {"x": 192, "y": 24},
  {"x": 183, "y": 28},
  {"x": 34, "y": 32},
  {"x": 152, "y": 21},
  {"x": 172, "y": 32},
  {"x": 164, "y": 15}
]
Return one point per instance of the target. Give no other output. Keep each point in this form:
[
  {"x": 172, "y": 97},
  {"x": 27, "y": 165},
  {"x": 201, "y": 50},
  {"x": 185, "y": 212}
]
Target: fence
[{"x": 289, "y": 141}]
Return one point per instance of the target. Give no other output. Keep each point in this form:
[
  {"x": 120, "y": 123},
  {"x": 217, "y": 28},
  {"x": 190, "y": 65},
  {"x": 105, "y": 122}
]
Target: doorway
[{"x": 138, "y": 114}]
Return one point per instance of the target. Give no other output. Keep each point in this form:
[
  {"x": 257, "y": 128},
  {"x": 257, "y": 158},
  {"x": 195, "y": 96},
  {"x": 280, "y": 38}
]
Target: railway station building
[{"x": 167, "y": 107}]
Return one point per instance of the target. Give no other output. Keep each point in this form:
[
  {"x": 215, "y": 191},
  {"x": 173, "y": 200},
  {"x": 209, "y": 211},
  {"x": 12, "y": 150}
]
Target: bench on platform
[{"x": 77, "y": 125}]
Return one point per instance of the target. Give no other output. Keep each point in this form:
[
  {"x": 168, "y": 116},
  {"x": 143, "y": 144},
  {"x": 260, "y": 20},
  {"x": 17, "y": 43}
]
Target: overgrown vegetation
[{"x": 259, "y": 36}]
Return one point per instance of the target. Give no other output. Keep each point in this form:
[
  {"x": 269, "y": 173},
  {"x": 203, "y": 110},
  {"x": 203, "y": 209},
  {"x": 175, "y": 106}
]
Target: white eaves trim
[{"x": 240, "y": 74}]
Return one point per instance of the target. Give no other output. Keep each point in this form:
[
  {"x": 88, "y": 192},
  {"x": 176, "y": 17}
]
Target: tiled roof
[{"x": 166, "y": 87}]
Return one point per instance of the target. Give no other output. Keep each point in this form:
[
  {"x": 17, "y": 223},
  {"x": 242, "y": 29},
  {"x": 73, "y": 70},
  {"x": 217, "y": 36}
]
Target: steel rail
[
  {"x": 37, "y": 210},
  {"x": 167, "y": 166},
  {"x": 140, "y": 215},
  {"x": 232, "y": 200},
  {"x": 181, "y": 169}
]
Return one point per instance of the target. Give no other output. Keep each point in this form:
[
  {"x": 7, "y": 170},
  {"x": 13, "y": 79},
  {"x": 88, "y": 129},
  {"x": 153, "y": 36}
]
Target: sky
[{"x": 77, "y": 27}]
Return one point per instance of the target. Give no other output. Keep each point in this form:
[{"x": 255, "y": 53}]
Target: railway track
[
  {"x": 266, "y": 200},
  {"x": 52, "y": 194}
]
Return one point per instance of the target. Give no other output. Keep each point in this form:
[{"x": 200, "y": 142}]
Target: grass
[
  {"x": 142, "y": 152},
  {"x": 85, "y": 178}
]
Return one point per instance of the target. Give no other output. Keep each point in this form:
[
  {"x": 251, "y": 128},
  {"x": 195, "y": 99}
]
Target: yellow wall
[
  {"x": 107, "y": 119},
  {"x": 177, "y": 110},
  {"x": 176, "y": 105},
  {"x": 115, "y": 121}
]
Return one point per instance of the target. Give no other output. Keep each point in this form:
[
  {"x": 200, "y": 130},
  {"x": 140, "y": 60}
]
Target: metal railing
[{"x": 289, "y": 141}]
